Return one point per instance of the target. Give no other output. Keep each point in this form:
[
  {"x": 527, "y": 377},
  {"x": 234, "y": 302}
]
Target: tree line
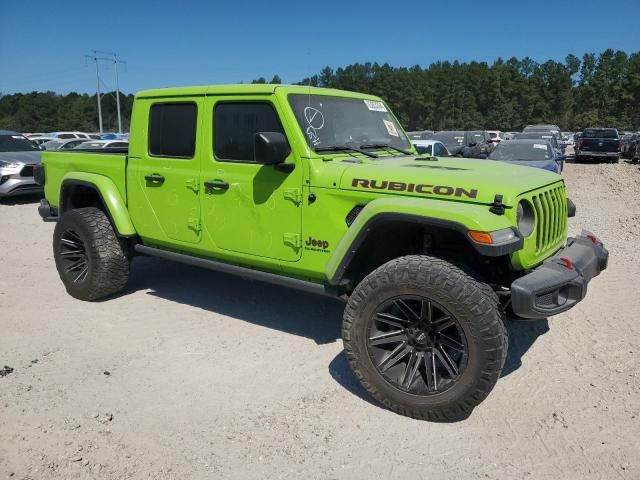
[{"x": 595, "y": 90}]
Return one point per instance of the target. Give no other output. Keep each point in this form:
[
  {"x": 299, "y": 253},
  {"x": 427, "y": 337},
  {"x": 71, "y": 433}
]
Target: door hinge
[
  {"x": 193, "y": 184},
  {"x": 293, "y": 194},
  {"x": 194, "y": 224},
  {"x": 292, "y": 239}
]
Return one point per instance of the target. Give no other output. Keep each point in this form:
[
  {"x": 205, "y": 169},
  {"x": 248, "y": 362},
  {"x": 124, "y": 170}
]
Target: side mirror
[
  {"x": 270, "y": 148},
  {"x": 473, "y": 144}
]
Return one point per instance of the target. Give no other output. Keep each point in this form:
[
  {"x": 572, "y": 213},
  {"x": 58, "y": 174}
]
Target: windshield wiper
[
  {"x": 344, "y": 148},
  {"x": 387, "y": 146}
]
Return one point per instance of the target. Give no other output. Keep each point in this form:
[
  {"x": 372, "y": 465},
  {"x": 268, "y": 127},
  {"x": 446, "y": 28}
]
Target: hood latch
[{"x": 497, "y": 207}]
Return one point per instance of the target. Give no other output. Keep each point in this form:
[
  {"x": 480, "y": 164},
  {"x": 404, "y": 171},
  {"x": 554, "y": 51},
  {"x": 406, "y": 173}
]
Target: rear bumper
[
  {"x": 47, "y": 212},
  {"x": 561, "y": 281},
  {"x": 587, "y": 153}
]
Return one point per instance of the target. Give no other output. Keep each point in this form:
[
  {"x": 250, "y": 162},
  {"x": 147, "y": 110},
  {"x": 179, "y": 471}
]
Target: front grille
[
  {"x": 26, "y": 171},
  {"x": 551, "y": 218}
]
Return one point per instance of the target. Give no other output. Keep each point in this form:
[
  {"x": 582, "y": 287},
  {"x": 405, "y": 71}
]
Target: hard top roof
[{"x": 246, "y": 89}]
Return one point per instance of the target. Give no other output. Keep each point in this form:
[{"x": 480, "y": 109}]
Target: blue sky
[{"x": 169, "y": 43}]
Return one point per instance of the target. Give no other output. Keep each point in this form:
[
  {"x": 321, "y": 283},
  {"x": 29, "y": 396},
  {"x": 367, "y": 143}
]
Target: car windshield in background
[
  {"x": 600, "y": 133},
  {"x": 450, "y": 139},
  {"x": 330, "y": 121},
  {"x": 521, "y": 151},
  {"x": 16, "y": 143}
]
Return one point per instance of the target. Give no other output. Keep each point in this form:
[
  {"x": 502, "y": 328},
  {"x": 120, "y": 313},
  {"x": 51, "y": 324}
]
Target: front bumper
[
  {"x": 561, "y": 281},
  {"x": 18, "y": 181}
]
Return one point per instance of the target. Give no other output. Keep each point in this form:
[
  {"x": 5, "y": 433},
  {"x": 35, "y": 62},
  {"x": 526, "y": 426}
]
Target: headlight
[
  {"x": 5, "y": 164},
  {"x": 526, "y": 218}
]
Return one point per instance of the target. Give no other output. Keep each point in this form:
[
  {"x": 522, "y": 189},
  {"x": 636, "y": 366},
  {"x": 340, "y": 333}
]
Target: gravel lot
[{"x": 193, "y": 374}]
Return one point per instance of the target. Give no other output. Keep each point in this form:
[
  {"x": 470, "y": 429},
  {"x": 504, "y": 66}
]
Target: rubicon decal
[{"x": 444, "y": 190}]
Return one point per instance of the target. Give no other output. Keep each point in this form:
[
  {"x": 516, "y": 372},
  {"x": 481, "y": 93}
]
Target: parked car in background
[
  {"x": 552, "y": 129},
  {"x": 63, "y": 144},
  {"x": 601, "y": 143},
  {"x": 431, "y": 147},
  {"x": 31, "y": 136},
  {"x": 18, "y": 156},
  {"x": 96, "y": 144},
  {"x": 627, "y": 142},
  {"x": 460, "y": 143},
  {"x": 113, "y": 136},
  {"x": 542, "y": 128},
  {"x": 545, "y": 136},
  {"x": 496, "y": 136},
  {"x": 420, "y": 135},
  {"x": 508, "y": 135},
  {"x": 63, "y": 135},
  {"x": 529, "y": 153},
  {"x": 37, "y": 141}
]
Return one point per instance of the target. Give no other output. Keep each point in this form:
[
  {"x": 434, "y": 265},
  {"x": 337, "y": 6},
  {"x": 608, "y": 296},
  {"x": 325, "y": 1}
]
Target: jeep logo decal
[
  {"x": 315, "y": 244},
  {"x": 444, "y": 190}
]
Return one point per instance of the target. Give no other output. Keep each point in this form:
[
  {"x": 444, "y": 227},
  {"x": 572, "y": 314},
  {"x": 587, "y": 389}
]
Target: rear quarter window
[{"x": 172, "y": 129}]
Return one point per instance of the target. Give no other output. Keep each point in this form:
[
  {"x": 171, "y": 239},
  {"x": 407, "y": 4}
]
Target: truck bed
[{"x": 59, "y": 165}]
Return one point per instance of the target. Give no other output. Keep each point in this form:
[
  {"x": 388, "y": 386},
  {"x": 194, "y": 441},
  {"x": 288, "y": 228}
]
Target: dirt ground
[{"x": 191, "y": 374}]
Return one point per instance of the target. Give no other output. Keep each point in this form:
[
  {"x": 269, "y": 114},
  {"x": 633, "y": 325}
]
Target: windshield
[
  {"x": 541, "y": 135},
  {"x": 16, "y": 143},
  {"x": 600, "y": 133},
  {"x": 450, "y": 139},
  {"x": 521, "y": 151},
  {"x": 336, "y": 121}
]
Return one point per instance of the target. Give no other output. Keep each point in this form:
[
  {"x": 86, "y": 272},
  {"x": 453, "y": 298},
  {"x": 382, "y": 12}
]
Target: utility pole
[
  {"x": 114, "y": 58},
  {"x": 95, "y": 59},
  {"x": 115, "y": 64}
]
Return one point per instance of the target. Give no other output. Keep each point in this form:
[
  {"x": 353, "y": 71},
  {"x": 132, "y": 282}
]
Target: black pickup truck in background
[{"x": 599, "y": 143}]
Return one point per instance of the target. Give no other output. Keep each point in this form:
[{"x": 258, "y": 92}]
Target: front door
[
  {"x": 249, "y": 208},
  {"x": 164, "y": 177}
]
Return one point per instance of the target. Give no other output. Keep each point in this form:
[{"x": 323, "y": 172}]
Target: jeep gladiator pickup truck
[
  {"x": 602, "y": 143},
  {"x": 321, "y": 190}
]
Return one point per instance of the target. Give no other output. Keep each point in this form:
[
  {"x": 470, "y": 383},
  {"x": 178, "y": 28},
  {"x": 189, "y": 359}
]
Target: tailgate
[{"x": 600, "y": 144}]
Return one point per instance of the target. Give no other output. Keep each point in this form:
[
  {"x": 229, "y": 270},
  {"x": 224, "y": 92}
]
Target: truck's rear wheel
[
  {"x": 425, "y": 338},
  {"x": 88, "y": 255}
]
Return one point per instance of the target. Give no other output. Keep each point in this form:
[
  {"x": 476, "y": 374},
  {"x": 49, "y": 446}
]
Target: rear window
[
  {"x": 172, "y": 130},
  {"x": 600, "y": 133}
]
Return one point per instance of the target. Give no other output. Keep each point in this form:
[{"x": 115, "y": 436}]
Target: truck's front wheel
[
  {"x": 88, "y": 255},
  {"x": 425, "y": 338}
]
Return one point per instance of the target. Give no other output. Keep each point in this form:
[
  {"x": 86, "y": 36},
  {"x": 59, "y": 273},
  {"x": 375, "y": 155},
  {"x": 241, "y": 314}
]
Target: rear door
[{"x": 164, "y": 172}]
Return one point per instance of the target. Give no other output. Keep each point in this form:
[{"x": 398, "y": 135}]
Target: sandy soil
[{"x": 192, "y": 374}]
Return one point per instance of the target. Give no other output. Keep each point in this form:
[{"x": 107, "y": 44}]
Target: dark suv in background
[{"x": 600, "y": 143}]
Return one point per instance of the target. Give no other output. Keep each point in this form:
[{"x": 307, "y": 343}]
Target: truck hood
[
  {"x": 27, "y": 158},
  {"x": 458, "y": 179}
]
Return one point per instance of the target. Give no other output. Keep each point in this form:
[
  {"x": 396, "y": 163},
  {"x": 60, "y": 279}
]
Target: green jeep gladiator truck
[{"x": 321, "y": 190}]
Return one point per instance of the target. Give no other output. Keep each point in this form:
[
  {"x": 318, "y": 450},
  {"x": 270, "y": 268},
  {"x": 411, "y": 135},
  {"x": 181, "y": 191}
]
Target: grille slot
[
  {"x": 26, "y": 172},
  {"x": 550, "y": 207}
]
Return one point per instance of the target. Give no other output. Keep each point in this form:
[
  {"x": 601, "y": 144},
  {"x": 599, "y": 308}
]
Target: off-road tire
[
  {"x": 107, "y": 265},
  {"x": 472, "y": 302}
]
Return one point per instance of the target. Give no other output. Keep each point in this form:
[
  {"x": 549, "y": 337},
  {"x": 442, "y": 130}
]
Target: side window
[
  {"x": 436, "y": 149},
  {"x": 172, "y": 130},
  {"x": 235, "y": 125}
]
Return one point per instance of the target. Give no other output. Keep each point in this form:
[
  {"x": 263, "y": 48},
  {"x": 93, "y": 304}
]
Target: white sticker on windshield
[
  {"x": 375, "y": 106},
  {"x": 541, "y": 146},
  {"x": 391, "y": 128},
  {"x": 17, "y": 137}
]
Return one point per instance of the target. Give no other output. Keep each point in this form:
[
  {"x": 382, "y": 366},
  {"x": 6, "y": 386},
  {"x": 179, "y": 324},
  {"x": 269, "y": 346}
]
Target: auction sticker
[
  {"x": 541, "y": 146},
  {"x": 375, "y": 106},
  {"x": 391, "y": 128}
]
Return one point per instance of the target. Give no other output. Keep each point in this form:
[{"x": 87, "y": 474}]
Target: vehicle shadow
[
  {"x": 312, "y": 316},
  {"x": 21, "y": 199}
]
